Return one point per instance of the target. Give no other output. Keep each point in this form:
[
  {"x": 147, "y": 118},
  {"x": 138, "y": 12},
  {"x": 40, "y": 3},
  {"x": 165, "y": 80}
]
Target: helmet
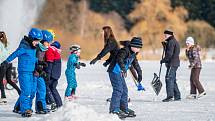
[
  {"x": 56, "y": 44},
  {"x": 47, "y": 36},
  {"x": 52, "y": 31},
  {"x": 35, "y": 33},
  {"x": 75, "y": 47}
]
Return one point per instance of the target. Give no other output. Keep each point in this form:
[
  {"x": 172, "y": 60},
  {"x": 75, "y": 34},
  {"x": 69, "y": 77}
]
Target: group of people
[
  {"x": 39, "y": 68},
  {"x": 123, "y": 59}
]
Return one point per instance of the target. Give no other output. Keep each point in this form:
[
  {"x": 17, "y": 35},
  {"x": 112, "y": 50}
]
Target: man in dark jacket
[
  {"x": 171, "y": 59},
  {"x": 117, "y": 74}
]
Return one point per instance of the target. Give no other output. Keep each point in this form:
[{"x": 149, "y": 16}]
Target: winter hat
[
  {"x": 168, "y": 32},
  {"x": 56, "y": 44},
  {"x": 190, "y": 41},
  {"x": 136, "y": 42}
]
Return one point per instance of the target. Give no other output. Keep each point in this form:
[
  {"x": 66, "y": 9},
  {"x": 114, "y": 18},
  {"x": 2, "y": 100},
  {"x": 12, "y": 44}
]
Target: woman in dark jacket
[
  {"x": 110, "y": 45},
  {"x": 193, "y": 54},
  {"x": 5, "y": 69}
]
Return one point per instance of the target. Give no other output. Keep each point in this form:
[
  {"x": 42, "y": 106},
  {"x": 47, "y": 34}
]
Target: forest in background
[{"x": 81, "y": 22}]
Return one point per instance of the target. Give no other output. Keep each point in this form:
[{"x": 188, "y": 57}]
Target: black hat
[
  {"x": 168, "y": 32},
  {"x": 136, "y": 42}
]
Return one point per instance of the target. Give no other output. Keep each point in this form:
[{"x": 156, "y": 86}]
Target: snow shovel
[{"x": 156, "y": 82}]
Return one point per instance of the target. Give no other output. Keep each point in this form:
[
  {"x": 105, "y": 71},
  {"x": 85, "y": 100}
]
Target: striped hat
[{"x": 136, "y": 42}]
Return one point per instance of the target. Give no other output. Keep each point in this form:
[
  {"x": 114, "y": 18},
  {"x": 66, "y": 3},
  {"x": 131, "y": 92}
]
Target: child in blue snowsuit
[
  {"x": 117, "y": 74},
  {"x": 40, "y": 74},
  {"x": 26, "y": 53},
  {"x": 72, "y": 64}
]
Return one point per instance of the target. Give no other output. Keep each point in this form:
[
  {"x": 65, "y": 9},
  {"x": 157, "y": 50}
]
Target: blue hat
[
  {"x": 35, "y": 33},
  {"x": 136, "y": 42},
  {"x": 56, "y": 44}
]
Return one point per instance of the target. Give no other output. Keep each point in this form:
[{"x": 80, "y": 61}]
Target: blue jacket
[
  {"x": 72, "y": 61},
  {"x": 26, "y": 57}
]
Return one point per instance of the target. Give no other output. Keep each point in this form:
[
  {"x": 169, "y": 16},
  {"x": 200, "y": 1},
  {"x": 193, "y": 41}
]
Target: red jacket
[{"x": 52, "y": 54}]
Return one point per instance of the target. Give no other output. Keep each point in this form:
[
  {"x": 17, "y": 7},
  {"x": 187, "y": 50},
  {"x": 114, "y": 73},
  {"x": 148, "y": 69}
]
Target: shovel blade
[{"x": 156, "y": 84}]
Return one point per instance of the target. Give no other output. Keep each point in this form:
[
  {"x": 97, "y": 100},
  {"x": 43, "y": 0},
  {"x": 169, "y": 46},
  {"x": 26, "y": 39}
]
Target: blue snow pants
[
  {"x": 40, "y": 94},
  {"x": 171, "y": 85},
  {"x": 26, "y": 81},
  {"x": 119, "y": 97},
  {"x": 71, "y": 83}
]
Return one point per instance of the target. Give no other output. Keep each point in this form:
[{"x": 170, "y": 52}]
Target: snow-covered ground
[{"x": 94, "y": 87}]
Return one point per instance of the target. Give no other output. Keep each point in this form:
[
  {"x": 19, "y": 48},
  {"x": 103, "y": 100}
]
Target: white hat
[{"x": 190, "y": 41}]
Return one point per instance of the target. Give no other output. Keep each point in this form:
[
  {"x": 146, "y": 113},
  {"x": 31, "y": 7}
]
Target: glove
[
  {"x": 124, "y": 74},
  {"x": 94, "y": 61},
  {"x": 162, "y": 61},
  {"x": 140, "y": 87},
  {"x": 190, "y": 66},
  {"x": 36, "y": 74},
  {"x": 82, "y": 64},
  {"x": 45, "y": 76},
  {"x": 77, "y": 66},
  {"x": 105, "y": 64}
]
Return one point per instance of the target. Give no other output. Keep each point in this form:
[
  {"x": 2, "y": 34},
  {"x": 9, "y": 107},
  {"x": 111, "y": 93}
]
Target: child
[
  {"x": 193, "y": 54},
  {"x": 26, "y": 53},
  {"x": 117, "y": 74},
  {"x": 40, "y": 74},
  {"x": 72, "y": 64},
  {"x": 53, "y": 58}
]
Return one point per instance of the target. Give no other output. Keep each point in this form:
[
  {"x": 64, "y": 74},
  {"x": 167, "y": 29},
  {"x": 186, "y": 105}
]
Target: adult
[
  {"x": 5, "y": 69},
  {"x": 171, "y": 59}
]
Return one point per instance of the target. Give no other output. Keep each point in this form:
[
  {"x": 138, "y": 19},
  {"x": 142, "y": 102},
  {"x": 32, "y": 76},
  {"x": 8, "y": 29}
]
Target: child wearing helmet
[
  {"x": 72, "y": 64},
  {"x": 40, "y": 75},
  {"x": 53, "y": 59},
  {"x": 26, "y": 53}
]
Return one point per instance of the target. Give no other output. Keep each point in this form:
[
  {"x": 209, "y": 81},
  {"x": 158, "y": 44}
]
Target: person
[
  {"x": 171, "y": 59},
  {"x": 193, "y": 54},
  {"x": 5, "y": 69},
  {"x": 40, "y": 74},
  {"x": 26, "y": 53},
  {"x": 110, "y": 45},
  {"x": 53, "y": 58},
  {"x": 72, "y": 64},
  {"x": 117, "y": 73}
]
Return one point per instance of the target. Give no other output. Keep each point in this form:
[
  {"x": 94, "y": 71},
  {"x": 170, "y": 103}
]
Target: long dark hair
[
  {"x": 108, "y": 34},
  {"x": 3, "y": 38}
]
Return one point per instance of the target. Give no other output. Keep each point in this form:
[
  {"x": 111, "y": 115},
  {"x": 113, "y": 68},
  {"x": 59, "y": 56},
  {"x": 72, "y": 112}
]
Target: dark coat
[
  {"x": 121, "y": 59},
  {"x": 193, "y": 54},
  {"x": 112, "y": 47},
  {"x": 172, "y": 51}
]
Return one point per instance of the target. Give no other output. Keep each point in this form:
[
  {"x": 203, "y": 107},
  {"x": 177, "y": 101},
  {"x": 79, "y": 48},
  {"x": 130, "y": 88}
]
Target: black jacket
[
  {"x": 112, "y": 47},
  {"x": 172, "y": 51},
  {"x": 121, "y": 57}
]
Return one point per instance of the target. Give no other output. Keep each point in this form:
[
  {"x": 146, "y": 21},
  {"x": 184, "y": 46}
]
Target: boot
[
  {"x": 130, "y": 113},
  {"x": 168, "y": 99},
  {"x": 119, "y": 113},
  {"x": 17, "y": 110},
  {"x": 27, "y": 113},
  {"x": 3, "y": 101},
  {"x": 202, "y": 94}
]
